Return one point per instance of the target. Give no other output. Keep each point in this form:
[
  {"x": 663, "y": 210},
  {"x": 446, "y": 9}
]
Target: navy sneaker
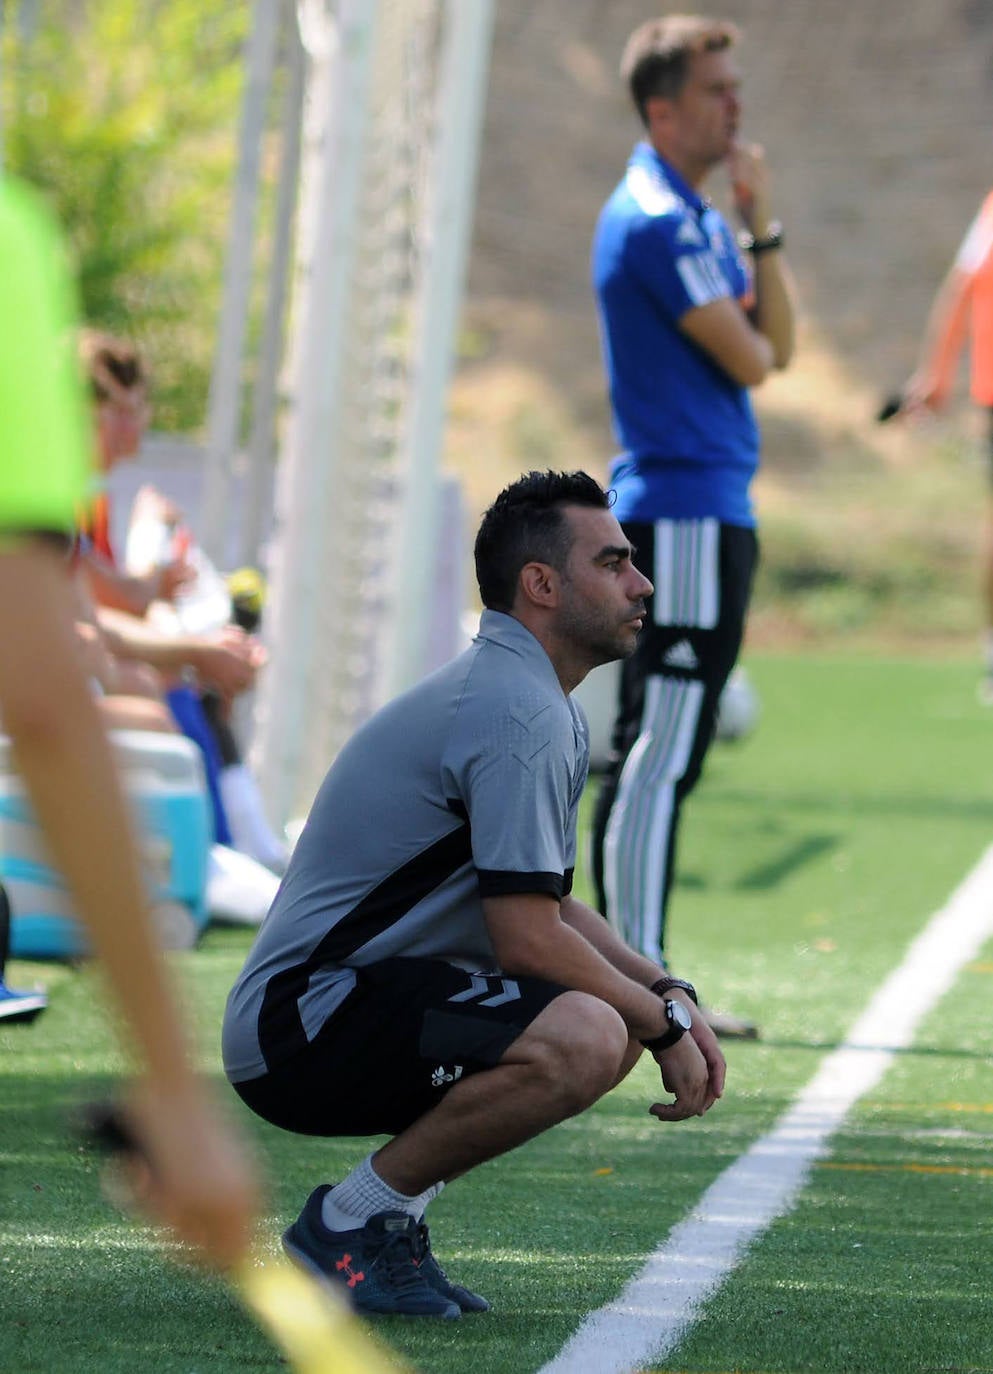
[
  {"x": 20, "y": 1006},
  {"x": 431, "y": 1270},
  {"x": 375, "y": 1263}
]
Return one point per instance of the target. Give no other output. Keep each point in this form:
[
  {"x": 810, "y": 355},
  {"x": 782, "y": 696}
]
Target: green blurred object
[
  {"x": 248, "y": 592},
  {"x": 125, "y": 115}
]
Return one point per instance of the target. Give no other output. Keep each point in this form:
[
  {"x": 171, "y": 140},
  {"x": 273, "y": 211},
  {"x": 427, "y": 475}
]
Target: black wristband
[
  {"x": 676, "y": 1030},
  {"x": 773, "y": 239},
  {"x": 664, "y": 985}
]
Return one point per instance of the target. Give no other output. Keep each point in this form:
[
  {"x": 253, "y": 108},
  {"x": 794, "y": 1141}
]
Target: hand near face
[
  {"x": 925, "y": 391},
  {"x": 749, "y": 174}
]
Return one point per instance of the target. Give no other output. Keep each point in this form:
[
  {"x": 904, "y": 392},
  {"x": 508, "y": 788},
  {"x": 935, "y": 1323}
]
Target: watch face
[{"x": 680, "y": 1015}]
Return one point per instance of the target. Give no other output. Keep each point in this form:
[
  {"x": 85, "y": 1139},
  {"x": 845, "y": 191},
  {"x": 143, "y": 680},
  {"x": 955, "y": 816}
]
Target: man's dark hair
[
  {"x": 526, "y": 524},
  {"x": 657, "y": 56}
]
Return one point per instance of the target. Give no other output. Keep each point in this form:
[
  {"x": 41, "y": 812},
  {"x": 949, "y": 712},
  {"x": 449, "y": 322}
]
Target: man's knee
[{"x": 577, "y": 1045}]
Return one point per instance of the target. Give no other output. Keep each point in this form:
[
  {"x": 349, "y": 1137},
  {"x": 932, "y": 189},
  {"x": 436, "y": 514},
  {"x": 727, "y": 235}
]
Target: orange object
[
  {"x": 95, "y": 523},
  {"x": 975, "y": 260},
  {"x": 181, "y": 541}
]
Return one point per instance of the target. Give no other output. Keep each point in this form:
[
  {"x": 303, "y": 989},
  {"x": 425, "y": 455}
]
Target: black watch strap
[
  {"x": 669, "y": 1037},
  {"x": 773, "y": 239},
  {"x": 664, "y": 985}
]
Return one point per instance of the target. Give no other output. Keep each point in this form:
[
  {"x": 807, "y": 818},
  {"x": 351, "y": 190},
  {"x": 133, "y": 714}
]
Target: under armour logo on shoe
[
  {"x": 681, "y": 655},
  {"x": 354, "y": 1277},
  {"x": 440, "y": 1076}
]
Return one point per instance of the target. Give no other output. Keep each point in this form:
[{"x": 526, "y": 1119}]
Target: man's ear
[
  {"x": 658, "y": 111},
  {"x": 539, "y": 585}
]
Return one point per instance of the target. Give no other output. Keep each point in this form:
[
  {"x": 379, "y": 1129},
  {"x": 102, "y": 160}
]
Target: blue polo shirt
[{"x": 690, "y": 441}]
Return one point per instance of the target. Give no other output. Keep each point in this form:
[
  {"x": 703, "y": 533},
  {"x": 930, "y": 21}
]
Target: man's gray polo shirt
[{"x": 467, "y": 786}]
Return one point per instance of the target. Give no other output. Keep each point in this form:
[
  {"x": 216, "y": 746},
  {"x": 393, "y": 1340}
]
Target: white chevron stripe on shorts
[{"x": 637, "y": 835}]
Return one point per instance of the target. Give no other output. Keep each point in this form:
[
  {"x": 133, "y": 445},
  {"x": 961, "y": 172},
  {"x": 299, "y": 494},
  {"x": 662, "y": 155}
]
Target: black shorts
[{"x": 407, "y": 1032}]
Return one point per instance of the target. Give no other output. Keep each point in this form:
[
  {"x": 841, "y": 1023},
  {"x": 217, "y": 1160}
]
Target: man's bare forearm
[
  {"x": 128, "y": 637},
  {"x": 773, "y": 314},
  {"x": 115, "y": 589},
  {"x": 531, "y": 937},
  {"x": 603, "y": 938}
]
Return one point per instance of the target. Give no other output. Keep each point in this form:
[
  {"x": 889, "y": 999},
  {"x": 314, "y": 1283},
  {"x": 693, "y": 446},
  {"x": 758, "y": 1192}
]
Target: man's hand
[
  {"x": 708, "y": 1046},
  {"x": 749, "y": 174},
  {"x": 693, "y": 1071},
  {"x": 925, "y": 391},
  {"x": 229, "y": 661}
]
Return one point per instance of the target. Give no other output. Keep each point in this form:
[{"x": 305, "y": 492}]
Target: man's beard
[{"x": 599, "y": 639}]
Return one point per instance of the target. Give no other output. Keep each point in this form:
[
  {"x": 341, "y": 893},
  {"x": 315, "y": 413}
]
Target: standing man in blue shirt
[{"x": 691, "y": 317}]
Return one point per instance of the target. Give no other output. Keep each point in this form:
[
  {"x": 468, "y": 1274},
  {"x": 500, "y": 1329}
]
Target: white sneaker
[{"x": 239, "y": 890}]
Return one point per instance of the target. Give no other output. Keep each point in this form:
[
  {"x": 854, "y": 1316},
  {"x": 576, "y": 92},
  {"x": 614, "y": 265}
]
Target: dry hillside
[{"x": 876, "y": 117}]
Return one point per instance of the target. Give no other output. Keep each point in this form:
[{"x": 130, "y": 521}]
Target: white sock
[
  {"x": 427, "y": 1196},
  {"x": 251, "y": 832},
  {"x": 363, "y": 1193}
]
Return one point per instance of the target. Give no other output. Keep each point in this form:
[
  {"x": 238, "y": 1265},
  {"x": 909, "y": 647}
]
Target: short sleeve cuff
[{"x": 500, "y": 883}]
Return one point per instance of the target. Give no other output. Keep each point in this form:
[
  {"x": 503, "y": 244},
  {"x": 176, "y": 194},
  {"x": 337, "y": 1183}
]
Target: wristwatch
[
  {"x": 666, "y": 984},
  {"x": 773, "y": 239},
  {"x": 679, "y": 1020}
]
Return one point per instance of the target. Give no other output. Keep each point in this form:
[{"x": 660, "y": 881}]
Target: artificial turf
[{"x": 811, "y": 854}]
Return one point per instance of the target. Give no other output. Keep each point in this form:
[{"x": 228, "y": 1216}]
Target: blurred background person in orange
[{"x": 963, "y": 307}]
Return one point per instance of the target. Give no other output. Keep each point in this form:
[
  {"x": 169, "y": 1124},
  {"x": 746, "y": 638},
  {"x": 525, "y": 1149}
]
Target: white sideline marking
[{"x": 655, "y": 1310}]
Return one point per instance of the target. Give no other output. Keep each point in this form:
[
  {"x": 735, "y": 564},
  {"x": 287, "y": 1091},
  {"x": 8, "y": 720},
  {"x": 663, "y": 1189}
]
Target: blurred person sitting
[
  {"x": 199, "y": 1183},
  {"x": 223, "y": 662},
  {"x": 128, "y": 693}
]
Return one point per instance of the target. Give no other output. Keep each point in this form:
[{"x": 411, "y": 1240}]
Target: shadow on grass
[
  {"x": 903, "y": 1051},
  {"x": 803, "y": 851},
  {"x": 930, "y": 805}
]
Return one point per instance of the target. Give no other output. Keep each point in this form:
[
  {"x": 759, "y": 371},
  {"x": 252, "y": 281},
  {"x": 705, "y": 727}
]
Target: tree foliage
[{"x": 125, "y": 113}]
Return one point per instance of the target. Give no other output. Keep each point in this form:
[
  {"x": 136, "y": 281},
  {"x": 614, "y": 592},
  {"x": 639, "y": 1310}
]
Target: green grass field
[{"x": 812, "y": 853}]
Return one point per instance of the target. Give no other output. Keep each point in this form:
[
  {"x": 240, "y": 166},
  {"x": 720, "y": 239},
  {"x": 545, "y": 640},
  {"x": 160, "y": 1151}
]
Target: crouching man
[{"x": 425, "y": 972}]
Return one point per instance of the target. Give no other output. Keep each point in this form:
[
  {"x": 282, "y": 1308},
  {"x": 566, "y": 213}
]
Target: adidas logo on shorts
[{"x": 681, "y": 655}]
